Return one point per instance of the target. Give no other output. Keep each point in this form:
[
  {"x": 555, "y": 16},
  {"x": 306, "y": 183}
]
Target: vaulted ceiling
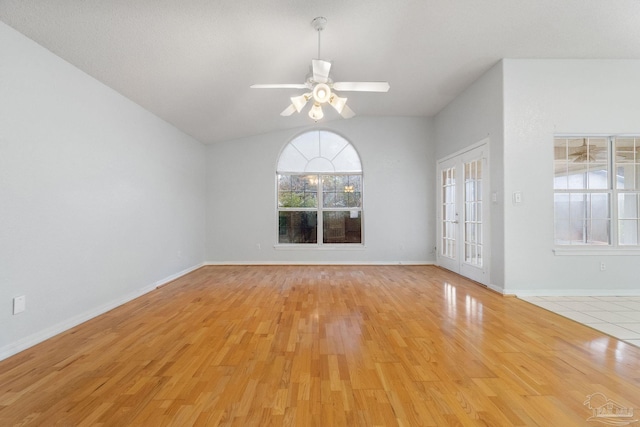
[{"x": 191, "y": 62}]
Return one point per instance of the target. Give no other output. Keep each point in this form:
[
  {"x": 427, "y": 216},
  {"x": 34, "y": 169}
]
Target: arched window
[{"x": 319, "y": 178}]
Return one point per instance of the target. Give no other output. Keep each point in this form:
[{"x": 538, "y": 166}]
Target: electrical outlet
[
  {"x": 19, "y": 304},
  {"x": 603, "y": 266}
]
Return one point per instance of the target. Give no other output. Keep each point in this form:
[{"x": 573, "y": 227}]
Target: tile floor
[{"x": 615, "y": 316}]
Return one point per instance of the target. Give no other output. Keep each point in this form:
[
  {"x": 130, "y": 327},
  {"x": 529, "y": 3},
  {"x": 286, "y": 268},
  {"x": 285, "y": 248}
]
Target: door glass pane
[
  {"x": 473, "y": 207},
  {"x": 448, "y": 226}
]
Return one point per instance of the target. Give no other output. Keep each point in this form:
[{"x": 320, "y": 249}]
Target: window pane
[
  {"x": 627, "y": 160},
  {"x": 329, "y": 183},
  {"x": 560, "y": 163},
  {"x": 562, "y": 232},
  {"x": 297, "y": 227},
  {"x": 577, "y": 232},
  {"x": 582, "y": 218},
  {"x": 581, "y": 163},
  {"x": 577, "y": 180},
  {"x": 626, "y": 150},
  {"x": 319, "y": 151},
  {"x": 598, "y": 232},
  {"x": 297, "y": 191},
  {"x": 628, "y": 232},
  {"x": 625, "y": 177},
  {"x": 628, "y": 206},
  {"x": 599, "y": 204},
  {"x": 561, "y": 206},
  {"x": 597, "y": 178},
  {"x": 578, "y": 206},
  {"x": 629, "y": 218},
  {"x": 342, "y": 227},
  {"x": 342, "y": 191}
]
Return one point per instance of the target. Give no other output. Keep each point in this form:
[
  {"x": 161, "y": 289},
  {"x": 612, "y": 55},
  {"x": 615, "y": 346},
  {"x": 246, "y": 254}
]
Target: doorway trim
[{"x": 475, "y": 152}]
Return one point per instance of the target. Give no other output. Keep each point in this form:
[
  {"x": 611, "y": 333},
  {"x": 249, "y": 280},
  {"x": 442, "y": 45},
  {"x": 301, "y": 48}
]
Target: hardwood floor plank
[{"x": 318, "y": 346}]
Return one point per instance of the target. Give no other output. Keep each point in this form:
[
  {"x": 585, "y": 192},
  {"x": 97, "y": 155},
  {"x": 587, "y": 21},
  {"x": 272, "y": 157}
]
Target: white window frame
[
  {"x": 323, "y": 164},
  {"x": 613, "y": 248}
]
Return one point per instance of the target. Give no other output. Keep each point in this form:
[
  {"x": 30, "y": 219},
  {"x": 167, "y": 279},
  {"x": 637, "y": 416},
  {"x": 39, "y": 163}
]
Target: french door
[{"x": 463, "y": 214}]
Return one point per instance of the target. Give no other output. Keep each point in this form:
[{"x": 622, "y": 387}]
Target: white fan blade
[
  {"x": 289, "y": 110},
  {"x": 362, "y": 86},
  {"x": 280, "y": 86},
  {"x": 347, "y": 112},
  {"x": 320, "y": 70}
]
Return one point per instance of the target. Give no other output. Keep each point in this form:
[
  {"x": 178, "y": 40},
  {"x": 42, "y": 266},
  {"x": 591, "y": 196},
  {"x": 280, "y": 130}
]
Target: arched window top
[{"x": 319, "y": 151}]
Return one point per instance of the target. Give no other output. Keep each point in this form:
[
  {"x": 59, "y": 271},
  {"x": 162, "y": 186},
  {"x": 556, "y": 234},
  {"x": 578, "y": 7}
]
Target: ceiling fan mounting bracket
[{"x": 319, "y": 23}]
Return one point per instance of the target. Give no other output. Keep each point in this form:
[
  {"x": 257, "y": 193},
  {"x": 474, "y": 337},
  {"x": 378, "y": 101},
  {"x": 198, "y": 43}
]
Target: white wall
[
  {"x": 99, "y": 199},
  {"x": 544, "y": 97},
  {"x": 477, "y": 114},
  {"x": 399, "y": 199}
]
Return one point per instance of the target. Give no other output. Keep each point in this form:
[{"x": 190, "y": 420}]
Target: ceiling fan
[
  {"x": 322, "y": 87},
  {"x": 586, "y": 152},
  {"x": 627, "y": 152}
]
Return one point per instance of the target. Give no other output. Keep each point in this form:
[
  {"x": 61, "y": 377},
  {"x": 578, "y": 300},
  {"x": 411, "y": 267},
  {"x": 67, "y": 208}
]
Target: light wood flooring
[{"x": 324, "y": 346}]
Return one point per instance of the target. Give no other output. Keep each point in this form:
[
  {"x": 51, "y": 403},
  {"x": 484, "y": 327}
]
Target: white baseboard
[
  {"x": 26, "y": 342},
  {"x": 497, "y": 289},
  {"x": 319, "y": 263},
  {"x": 177, "y": 275}
]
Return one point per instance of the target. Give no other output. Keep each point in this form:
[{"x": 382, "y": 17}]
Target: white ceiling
[{"x": 191, "y": 61}]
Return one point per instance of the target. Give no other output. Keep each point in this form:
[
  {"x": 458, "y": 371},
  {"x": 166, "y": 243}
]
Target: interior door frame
[{"x": 479, "y": 150}]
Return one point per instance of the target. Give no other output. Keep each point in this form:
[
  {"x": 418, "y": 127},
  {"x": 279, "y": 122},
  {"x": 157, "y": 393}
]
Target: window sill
[
  {"x": 595, "y": 251},
  {"x": 325, "y": 247}
]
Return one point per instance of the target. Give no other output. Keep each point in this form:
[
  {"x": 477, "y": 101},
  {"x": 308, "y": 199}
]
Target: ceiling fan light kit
[
  {"x": 316, "y": 112},
  {"x": 337, "y": 102},
  {"x": 323, "y": 87},
  {"x": 321, "y": 93},
  {"x": 300, "y": 101}
]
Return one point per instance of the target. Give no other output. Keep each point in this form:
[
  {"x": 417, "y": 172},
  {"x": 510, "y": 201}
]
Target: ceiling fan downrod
[{"x": 319, "y": 24}]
